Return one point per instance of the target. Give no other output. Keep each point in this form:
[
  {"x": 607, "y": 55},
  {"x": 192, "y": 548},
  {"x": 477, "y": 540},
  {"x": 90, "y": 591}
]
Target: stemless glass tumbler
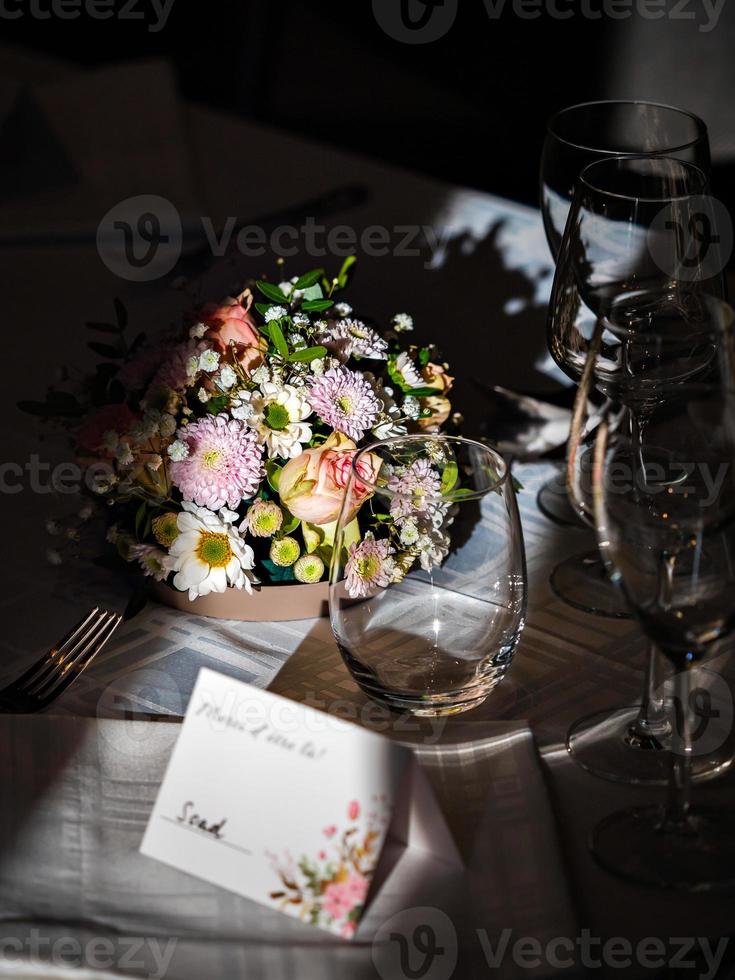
[{"x": 428, "y": 608}]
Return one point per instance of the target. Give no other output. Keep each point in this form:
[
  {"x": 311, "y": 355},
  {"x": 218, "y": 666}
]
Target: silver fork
[{"x": 52, "y": 674}]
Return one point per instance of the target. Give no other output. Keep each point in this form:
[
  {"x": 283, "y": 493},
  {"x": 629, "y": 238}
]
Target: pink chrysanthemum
[
  {"x": 416, "y": 489},
  {"x": 370, "y": 566},
  {"x": 224, "y": 465},
  {"x": 346, "y": 401}
]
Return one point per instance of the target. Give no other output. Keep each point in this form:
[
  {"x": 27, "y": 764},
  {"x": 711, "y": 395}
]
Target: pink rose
[
  {"x": 230, "y": 322},
  {"x": 111, "y": 418},
  {"x": 353, "y": 810},
  {"x": 312, "y": 486}
]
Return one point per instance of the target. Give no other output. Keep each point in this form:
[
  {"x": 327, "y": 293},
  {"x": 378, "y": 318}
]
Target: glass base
[
  {"x": 607, "y": 745},
  {"x": 553, "y": 502},
  {"x": 700, "y": 856},
  {"x": 582, "y": 583}
]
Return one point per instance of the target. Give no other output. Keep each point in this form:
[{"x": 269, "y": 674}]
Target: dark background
[{"x": 469, "y": 108}]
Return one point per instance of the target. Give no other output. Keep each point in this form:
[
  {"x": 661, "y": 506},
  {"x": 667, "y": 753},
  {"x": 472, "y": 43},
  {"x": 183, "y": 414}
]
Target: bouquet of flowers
[{"x": 228, "y": 443}]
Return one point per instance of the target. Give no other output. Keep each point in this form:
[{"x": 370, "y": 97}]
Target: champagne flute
[
  {"x": 670, "y": 545},
  {"x": 583, "y": 134}
]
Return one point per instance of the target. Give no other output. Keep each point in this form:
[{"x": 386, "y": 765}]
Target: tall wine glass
[
  {"x": 677, "y": 341},
  {"x": 665, "y": 513},
  {"x": 583, "y": 134},
  {"x": 632, "y": 237},
  {"x": 428, "y": 588}
]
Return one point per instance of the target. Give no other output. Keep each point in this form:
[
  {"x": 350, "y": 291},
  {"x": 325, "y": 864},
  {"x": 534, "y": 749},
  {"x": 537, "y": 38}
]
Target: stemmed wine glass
[
  {"x": 625, "y": 258},
  {"x": 665, "y": 514},
  {"x": 583, "y": 134}
]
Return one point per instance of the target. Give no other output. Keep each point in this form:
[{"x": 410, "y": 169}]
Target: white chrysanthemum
[
  {"x": 178, "y": 450},
  {"x": 275, "y": 313},
  {"x": 278, "y": 414},
  {"x": 209, "y": 555},
  {"x": 151, "y": 560},
  {"x": 349, "y": 337}
]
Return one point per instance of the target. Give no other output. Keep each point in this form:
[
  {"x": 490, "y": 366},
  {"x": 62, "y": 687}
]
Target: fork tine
[
  {"x": 51, "y": 656},
  {"x": 61, "y": 654},
  {"x": 72, "y": 669},
  {"x": 41, "y": 686}
]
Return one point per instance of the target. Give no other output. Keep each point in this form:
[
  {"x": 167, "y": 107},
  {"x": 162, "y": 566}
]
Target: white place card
[{"x": 287, "y": 805}]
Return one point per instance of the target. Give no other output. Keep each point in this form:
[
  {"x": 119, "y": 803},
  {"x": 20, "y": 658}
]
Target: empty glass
[
  {"x": 583, "y": 134},
  {"x": 665, "y": 513},
  {"x": 428, "y": 610}
]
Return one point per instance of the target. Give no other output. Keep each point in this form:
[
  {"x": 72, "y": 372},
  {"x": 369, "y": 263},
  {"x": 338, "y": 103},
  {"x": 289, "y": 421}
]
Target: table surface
[{"x": 482, "y": 297}]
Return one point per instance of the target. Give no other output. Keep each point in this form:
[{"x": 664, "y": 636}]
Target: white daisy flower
[
  {"x": 209, "y": 554},
  {"x": 151, "y": 560},
  {"x": 278, "y": 415},
  {"x": 408, "y": 371},
  {"x": 275, "y": 313},
  {"x": 178, "y": 450},
  {"x": 389, "y": 424}
]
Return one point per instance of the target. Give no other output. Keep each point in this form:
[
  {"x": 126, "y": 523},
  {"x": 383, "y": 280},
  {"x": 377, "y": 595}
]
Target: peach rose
[
  {"x": 312, "y": 486},
  {"x": 230, "y": 322},
  {"x": 435, "y": 376}
]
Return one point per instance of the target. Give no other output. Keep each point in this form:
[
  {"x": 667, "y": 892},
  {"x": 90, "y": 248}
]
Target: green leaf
[
  {"x": 424, "y": 356},
  {"x": 344, "y": 272},
  {"x": 273, "y": 473},
  {"x": 290, "y": 523},
  {"x": 263, "y": 308},
  {"x": 449, "y": 478},
  {"x": 272, "y": 292},
  {"x": 278, "y": 339},
  {"x": 309, "y": 279},
  {"x": 424, "y": 392},
  {"x": 102, "y": 327},
  {"x": 140, "y": 517},
  {"x": 217, "y": 404},
  {"x": 313, "y": 292},
  {"x": 308, "y": 354},
  {"x": 317, "y": 305}
]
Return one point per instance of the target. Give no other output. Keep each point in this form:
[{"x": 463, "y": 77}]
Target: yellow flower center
[
  {"x": 368, "y": 567},
  {"x": 344, "y": 403},
  {"x": 211, "y": 458},
  {"x": 214, "y": 549}
]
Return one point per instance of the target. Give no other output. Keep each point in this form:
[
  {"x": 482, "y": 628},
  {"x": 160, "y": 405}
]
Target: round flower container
[{"x": 269, "y": 603}]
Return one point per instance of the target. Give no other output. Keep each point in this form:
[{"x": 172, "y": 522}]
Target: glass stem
[
  {"x": 651, "y": 723},
  {"x": 676, "y": 818}
]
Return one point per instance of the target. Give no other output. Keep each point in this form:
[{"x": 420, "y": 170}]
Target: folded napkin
[{"x": 70, "y": 869}]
